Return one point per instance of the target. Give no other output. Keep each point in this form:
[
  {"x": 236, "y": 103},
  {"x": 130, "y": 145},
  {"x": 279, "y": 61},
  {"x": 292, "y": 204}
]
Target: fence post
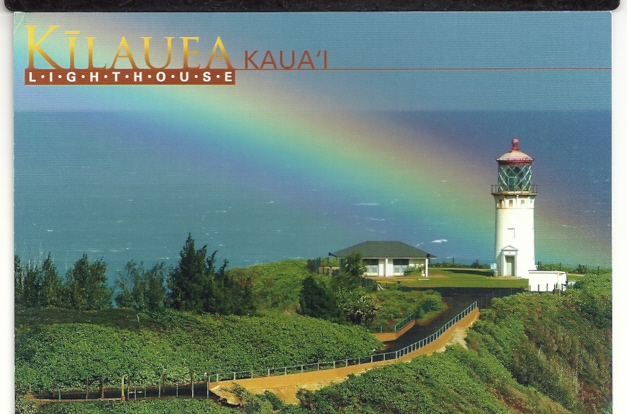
[
  {"x": 177, "y": 389},
  {"x": 86, "y": 388},
  {"x": 102, "y": 388},
  {"x": 122, "y": 396}
]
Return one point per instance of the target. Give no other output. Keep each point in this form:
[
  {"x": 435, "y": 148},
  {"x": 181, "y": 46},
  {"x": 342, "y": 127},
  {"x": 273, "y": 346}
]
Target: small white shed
[{"x": 388, "y": 258}]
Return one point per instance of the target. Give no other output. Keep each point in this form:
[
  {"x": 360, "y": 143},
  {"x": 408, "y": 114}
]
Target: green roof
[{"x": 383, "y": 249}]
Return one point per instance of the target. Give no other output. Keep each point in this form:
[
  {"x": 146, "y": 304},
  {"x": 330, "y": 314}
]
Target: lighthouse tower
[{"x": 514, "y": 197}]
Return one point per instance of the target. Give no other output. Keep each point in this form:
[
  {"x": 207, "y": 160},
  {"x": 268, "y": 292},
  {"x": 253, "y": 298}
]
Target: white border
[
  {"x": 619, "y": 201},
  {"x": 619, "y": 219},
  {"x": 7, "y": 395}
]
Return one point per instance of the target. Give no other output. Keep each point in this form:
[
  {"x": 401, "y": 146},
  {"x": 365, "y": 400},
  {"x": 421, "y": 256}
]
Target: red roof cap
[{"x": 514, "y": 156}]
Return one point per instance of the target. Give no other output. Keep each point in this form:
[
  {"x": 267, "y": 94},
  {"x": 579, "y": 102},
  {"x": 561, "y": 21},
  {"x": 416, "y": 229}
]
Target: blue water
[{"x": 80, "y": 190}]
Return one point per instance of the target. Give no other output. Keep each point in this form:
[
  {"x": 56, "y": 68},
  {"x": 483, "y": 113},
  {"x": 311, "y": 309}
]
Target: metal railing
[
  {"x": 496, "y": 188},
  {"x": 318, "y": 366},
  {"x": 200, "y": 389},
  {"x": 399, "y": 325}
]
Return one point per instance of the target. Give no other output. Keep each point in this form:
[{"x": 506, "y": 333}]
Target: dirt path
[{"x": 286, "y": 386}]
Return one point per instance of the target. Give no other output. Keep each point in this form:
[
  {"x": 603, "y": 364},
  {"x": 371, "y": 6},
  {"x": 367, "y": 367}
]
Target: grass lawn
[{"x": 474, "y": 278}]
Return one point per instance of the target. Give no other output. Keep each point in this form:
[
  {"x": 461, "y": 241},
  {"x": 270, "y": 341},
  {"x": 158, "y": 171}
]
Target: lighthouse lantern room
[{"x": 514, "y": 197}]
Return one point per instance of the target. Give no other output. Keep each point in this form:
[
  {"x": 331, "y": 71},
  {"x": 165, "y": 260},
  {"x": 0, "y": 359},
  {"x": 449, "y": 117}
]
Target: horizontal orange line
[{"x": 426, "y": 69}]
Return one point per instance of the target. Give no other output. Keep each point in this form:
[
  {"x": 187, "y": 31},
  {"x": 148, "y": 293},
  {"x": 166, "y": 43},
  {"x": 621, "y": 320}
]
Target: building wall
[
  {"x": 546, "y": 281},
  {"x": 515, "y": 227},
  {"x": 387, "y": 270}
]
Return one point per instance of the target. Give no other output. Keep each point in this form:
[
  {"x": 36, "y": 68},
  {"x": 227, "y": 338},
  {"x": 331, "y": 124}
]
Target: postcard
[{"x": 439, "y": 140}]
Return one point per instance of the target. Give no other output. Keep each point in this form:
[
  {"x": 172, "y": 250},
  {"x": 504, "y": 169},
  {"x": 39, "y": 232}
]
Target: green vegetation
[
  {"x": 159, "y": 406},
  {"x": 455, "y": 278},
  {"x": 277, "y": 285},
  {"x": 39, "y": 286},
  {"x": 173, "y": 345},
  {"x": 291, "y": 287},
  {"x": 530, "y": 353},
  {"x": 579, "y": 270},
  {"x": 452, "y": 382},
  {"x": 560, "y": 345},
  {"x": 193, "y": 285},
  {"x": 395, "y": 305},
  {"x": 196, "y": 286},
  {"x": 453, "y": 265},
  {"x": 317, "y": 300},
  {"x": 141, "y": 289}
]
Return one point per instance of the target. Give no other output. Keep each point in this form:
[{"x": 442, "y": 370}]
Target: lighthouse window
[
  {"x": 515, "y": 178},
  {"x": 522, "y": 202},
  {"x": 511, "y": 203}
]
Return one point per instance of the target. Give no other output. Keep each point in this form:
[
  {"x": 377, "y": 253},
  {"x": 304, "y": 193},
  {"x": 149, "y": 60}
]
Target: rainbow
[{"x": 269, "y": 123}]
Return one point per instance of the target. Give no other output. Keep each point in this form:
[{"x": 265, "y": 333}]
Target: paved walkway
[{"x": 286, "y": 386}]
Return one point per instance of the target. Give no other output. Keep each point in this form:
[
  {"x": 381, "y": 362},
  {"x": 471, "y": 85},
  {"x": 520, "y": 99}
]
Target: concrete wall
[{"x": 546, "y": 281}]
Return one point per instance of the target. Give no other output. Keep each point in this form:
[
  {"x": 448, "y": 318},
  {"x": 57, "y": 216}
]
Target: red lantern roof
[{"x": 514, "y": 156}]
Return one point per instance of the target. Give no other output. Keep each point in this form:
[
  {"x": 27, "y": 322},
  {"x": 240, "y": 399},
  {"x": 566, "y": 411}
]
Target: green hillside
[
  {"x": 530, "y": 353},
  {"x": 172, "y": 344}
]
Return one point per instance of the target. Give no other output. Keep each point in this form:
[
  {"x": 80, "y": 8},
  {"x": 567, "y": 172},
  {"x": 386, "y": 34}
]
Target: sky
[{"x": 396, "y": 140}]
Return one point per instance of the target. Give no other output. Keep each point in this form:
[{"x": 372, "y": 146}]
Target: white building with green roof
[{"x": 388, "y": 258}]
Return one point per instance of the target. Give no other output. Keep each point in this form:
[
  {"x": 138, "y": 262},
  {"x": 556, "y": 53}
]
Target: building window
[
  {"x": 372, "y": 266},
  {"x": 400, "y": 265}
]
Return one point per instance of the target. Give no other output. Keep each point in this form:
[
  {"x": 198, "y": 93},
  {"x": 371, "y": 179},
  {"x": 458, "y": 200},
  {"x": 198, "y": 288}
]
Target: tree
[
  {"x": 141, "y": 289},
  {"x": 51, "y": 292},
  {"x": 18, "y": 281},
  {"x": 154, "y": 287},
  {"x": 190, "y": 283},
  {"x": 86, "y": 285},
  {"x": 357, "y": 306},
  {"x": 37, "y": 286},
  {"x": 316, "y": 300},
  {"x": 351, "y": 274},
  {"x": 195, "y": 284},
  {"x": 31, "y": 286},
  {"x": 124, "y": 284}
]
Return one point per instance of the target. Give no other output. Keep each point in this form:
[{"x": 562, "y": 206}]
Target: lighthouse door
[{"x": 509, "y": 265}]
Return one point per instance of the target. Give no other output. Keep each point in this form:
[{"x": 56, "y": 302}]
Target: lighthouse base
[{"x": 546, "y": 281}]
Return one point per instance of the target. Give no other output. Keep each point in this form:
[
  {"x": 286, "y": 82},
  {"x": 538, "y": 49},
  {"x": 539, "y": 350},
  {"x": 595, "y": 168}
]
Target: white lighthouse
[{"x": 514, "y": 198}]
